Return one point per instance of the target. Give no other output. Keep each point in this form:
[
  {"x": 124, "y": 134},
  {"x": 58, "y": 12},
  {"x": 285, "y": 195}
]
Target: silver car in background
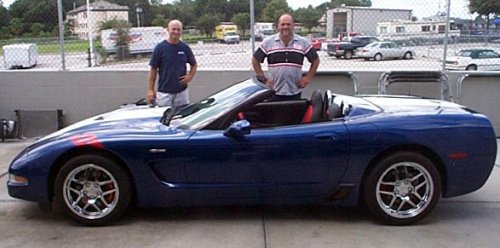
[{"x": 384, "y": 50}]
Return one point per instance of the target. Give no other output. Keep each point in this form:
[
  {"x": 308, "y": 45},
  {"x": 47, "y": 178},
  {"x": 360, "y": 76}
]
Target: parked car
[
  {"x": 316, "y": 43},
  {"x": 384, "y": 50},
  {"x": 477, "y": 59},
  {"x": 347, "y": 49},
  {"x": 231, "y": 38},
  {"x": 397, "y": 155}
]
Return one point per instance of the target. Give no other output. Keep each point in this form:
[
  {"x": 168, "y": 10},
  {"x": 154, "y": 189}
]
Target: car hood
[
  {"x": 457, "y": 58},
  {"x": 142, "y": 119}
]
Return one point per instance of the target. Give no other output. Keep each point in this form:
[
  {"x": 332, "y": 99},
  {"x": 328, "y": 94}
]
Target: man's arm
[
  {"x": 151, "y": 92},
  {"x": 305, "y": 80},
  {"x": 188, "y": 77},
  {"x": 257, "y": 68}
]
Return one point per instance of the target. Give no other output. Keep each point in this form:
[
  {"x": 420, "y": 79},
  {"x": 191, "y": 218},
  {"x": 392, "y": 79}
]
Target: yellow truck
[{"x": 227, "y": 33}]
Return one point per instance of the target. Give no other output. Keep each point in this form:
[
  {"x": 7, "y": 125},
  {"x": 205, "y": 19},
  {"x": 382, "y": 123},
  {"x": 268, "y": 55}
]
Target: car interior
[{"x": 291, "y": 112}]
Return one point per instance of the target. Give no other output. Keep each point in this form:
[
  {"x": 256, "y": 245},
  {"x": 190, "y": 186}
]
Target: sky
[{"x": 421, "y": 8}]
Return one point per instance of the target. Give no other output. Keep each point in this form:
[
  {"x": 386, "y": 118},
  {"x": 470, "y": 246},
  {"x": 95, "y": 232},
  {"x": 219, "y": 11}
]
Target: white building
[
  {"x": 361, "y": 19},
  {"x": 429, "y": 28},
  {"x": 100, "y": 11}
]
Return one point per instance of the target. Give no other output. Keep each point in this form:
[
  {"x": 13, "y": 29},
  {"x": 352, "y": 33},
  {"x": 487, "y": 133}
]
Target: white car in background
[
  {"x": 477, "y": 59},
  {"x": 384, "y": 50}
]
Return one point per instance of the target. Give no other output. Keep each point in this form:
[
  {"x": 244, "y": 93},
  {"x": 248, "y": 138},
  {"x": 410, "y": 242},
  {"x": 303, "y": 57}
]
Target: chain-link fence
[{"x": 413, "y": 35}]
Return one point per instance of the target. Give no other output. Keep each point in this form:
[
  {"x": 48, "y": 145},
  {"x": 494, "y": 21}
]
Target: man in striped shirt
[{"x": 285, "y": 52}]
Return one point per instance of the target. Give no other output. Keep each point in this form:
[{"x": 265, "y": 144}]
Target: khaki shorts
[{"x": 172, "y": 100}]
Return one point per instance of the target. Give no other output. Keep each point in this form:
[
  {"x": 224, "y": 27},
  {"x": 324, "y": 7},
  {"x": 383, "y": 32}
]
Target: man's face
[
  {"x": 285, "y": 26},
  {"x": 174, "y": 30}
]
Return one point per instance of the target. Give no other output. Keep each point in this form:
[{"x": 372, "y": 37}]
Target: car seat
[{"x": 314, "y": 110}]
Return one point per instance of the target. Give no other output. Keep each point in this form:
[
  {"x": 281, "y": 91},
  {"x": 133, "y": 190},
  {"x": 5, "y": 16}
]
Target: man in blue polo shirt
[
  {"x": 169, "y": 62},
  {"x": 285, "y": 54}
]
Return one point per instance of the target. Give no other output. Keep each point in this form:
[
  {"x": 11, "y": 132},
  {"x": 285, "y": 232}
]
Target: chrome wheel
[
  {"x": 404, "y": 190},
  {"x": 90, "y": 191},
  {"x": 93, "y": 189}
]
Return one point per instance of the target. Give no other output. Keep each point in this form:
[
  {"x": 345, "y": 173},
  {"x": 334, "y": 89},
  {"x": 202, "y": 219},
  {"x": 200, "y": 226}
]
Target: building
[
  {"x": 100, "y": 11},
  {"x": 361, "y": 19},
  {"x": 427, "y": 28}
]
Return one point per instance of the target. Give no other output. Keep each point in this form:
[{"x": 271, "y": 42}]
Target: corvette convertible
[{"x": 395, "y": 155}]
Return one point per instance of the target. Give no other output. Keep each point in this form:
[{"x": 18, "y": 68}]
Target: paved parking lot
[
  {"x": 238, "y": 56},
  {"x": 467, "y": 221}
]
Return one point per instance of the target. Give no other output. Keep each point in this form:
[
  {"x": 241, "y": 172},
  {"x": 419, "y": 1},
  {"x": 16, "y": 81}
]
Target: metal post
[
  {"x": 446, "y": 35},
  {"x": 61, "y": 33},
  {"x": 90, "y": 34},
  {"x": 252, "y": 23}
]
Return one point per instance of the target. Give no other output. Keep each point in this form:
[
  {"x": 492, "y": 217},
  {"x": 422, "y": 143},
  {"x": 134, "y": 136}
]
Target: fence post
[{"x": 89, "y": 57}]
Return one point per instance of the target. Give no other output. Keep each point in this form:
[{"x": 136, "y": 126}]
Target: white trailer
[
  {"x": 140, "y": 40},
  {"x": 18, "y": 56}
]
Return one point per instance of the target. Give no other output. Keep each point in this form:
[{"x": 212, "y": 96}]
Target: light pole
[
  {"x": 252, "y": 23},
  {"x": 90, "y": 34},
  {"x": 138, "y": 10}
]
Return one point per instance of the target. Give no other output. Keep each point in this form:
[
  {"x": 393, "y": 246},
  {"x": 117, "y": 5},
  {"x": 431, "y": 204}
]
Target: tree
[
  {"x": 362, "y": 3},
  {"x": 121, "y": 28},
  {"x": 274, "y": 9},
  {"x": 485, "y": 8},
  {"x": 308, "y": 16},
  {"x": 242, "y": 20},
  {"x": 206, "y": 24},
  {"x": 4, "y": 17}
]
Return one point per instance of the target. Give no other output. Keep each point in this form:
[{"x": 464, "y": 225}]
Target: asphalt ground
[{"x": 468, "y": 221}]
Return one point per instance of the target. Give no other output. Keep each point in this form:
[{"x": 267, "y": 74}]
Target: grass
[{"x": 51, "y": 46}]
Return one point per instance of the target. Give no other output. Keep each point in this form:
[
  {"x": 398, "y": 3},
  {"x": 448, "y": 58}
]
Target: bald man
[
  {"x": 285, "y": 53},
  {"x": 169, "y": 61}
]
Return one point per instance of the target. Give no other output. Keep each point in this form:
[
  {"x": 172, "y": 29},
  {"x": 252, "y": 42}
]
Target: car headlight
[{"x": 17, "y": 180}]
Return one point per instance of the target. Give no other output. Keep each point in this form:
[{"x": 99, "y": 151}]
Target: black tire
[
  {"x": 98, "y": 190},
  {"x": 471, "y": 68},
  {"x": 348, "y": 54},
  {"x": 377, "y": 57},
  {"x": 402, "y": 188},
  {"x": 408, "y": 55}
]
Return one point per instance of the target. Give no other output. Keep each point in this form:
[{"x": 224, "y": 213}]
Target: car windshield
[
  {"x": 268, "y": 32},
  {"x": 230, "y": 33},
  {"x": 198, "y": 115},
  {"x": 464, "y": 53},
  {"x": 373, "y": 44}
]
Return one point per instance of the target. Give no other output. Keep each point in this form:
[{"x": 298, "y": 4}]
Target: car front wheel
[
  {"x": 348, "y": 54},
  {"x": 408, "y": 55},
  {"x": 402, "y": 189},
  {"x": 93, "y": 190},
  {"x": 471, "y": 68}
]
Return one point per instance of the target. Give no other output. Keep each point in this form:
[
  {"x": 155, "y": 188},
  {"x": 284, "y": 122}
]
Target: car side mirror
[
  {"x": 238, "y": 129},
  {"x": 167, "y": 116}
]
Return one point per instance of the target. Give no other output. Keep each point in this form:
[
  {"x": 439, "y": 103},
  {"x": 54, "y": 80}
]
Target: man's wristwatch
[{"x": 261, "y": 78}]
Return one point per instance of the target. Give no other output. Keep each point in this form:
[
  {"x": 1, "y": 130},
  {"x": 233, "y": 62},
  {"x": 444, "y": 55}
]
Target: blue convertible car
[{"x": 396, "y": 155}]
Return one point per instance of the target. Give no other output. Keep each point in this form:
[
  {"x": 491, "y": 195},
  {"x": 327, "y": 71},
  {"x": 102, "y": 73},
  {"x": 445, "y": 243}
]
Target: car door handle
[
  {"x": 156, "y": 150},
  {"x": 325, "y": 136}
]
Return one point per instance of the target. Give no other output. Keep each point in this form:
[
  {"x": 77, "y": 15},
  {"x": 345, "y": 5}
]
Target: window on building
[
  {"x": 441, "y": 29},
  {"x": 400, "y": 29},
  {"x": 426, "y": 28},
  {"x": 383, "y": 30}
]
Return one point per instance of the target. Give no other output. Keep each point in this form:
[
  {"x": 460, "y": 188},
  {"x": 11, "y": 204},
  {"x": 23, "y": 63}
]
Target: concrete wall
[{"x": 82, "y": 94}]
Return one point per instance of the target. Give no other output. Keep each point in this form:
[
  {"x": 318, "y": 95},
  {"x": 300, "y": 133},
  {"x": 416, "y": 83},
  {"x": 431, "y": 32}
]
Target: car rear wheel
[
  {"x": 93, "y": 190},
  {"x": 348, "y": 54},
  {"x": 408, "y": 55},
  {"x": 402, "y": 189},
  {"x": 471, "y": 68},
  {"x": 377, "y": 57}
]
